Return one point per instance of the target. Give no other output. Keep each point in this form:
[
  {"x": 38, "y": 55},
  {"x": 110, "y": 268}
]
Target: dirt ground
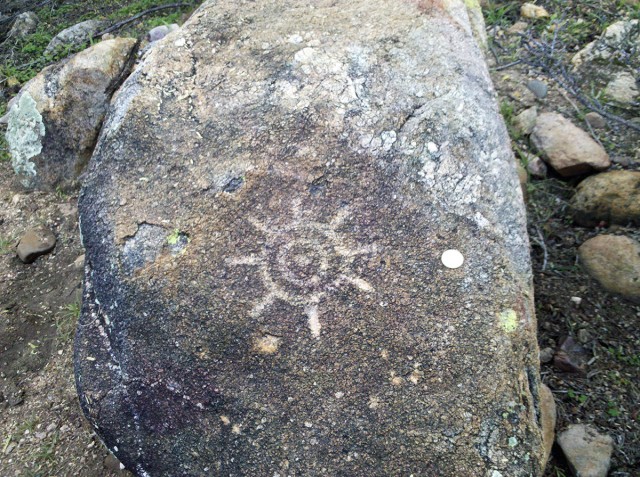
[{"x": 42, "y": 431}]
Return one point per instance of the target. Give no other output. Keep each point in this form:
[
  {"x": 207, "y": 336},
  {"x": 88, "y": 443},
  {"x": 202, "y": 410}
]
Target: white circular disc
[{"x": 452, "y": 259}]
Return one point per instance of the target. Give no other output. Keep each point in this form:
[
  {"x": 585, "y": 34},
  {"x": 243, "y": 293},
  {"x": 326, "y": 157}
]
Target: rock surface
[
  {"x": 621, "y": 35},
  {"x": 549, "y": 416},
  {"x": 74, "y": 36},
  {"x": 54, "y": 121},
  {"x": 622, "y": 88},
  {"x": 612, "y": 197},
  {"x": 35, "y": 242},
  {"x": 24, "y": 24},
  {"x": 525, "y": 121},
  {"x": 588, "y": 451},
  {"x": 566, "y": 147},
  {"x": 264, "y": 219},
  {"x": 614, "y": 261}
]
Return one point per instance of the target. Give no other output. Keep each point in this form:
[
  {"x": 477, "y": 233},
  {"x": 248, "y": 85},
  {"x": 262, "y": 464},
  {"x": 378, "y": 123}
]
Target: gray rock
[
  {"x": 588, "y": 451},
  {"x": 538, "y": 88},
  {"x": 611, "y": 197},
  {"x": 546, "y": 355},
  {"x": 525, "y": 121},
  {"x": 622, "y": 88},
  {"x": 54, "y": 121},
  {"x": 24, "y": 24},
  {"x": 35, "y": 242},
  {"x": 158, "y": 33},
  {"x": 619, "y": 36},
  {"x": 595, "y": 120},
  {"x": 74, "y": 36},
  {"x": 517, "y": 28},
  {"x": 536, "y": 167},
  {"x": 566, "y": 147},
  {"x": 264, "y": 222},
  {"x": 614, "y": 261}
]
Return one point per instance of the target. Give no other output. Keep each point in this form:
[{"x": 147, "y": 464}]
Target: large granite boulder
[
  {"x": 54, "y": 121},
  {"x": 265, "y": 216}
]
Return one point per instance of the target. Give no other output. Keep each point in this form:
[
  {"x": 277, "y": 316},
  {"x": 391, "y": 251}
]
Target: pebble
[
  {"x": 538, "y": 88},
  {"x": 587, "y": 451},
  {"x": 35, "y": 242},
  {"x": 546, "y": 355},
  {"x": 536, "y": 167},
  {"x": 517, "y": 28},
  {"x": 529, "y": 10},
  {"x": 595, "y": 120}
]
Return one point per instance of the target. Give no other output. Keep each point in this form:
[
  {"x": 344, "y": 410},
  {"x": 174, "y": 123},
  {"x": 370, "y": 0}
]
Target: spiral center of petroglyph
[{"x": 303, "y": 261}]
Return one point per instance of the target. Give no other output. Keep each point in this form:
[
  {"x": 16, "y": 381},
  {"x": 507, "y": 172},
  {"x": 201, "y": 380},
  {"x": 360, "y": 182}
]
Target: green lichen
[
  {"x": 508, "y": 320},
  {"x": 24, "y": 137}
]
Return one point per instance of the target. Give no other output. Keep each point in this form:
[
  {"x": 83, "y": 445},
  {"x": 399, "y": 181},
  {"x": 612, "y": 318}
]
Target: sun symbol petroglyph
[{"x": 304, "y": 260}]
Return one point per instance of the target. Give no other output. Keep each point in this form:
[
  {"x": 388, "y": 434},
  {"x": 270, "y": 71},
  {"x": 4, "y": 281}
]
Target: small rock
[
  {"x": 566, "y": 147},
  {"x": 536, "y": 167},
  {"x": 622, "y": 88},
  {"x": 595, "y": 120},
  {"x": 74, "y": 36},
  {"x": 517, "y": 28},
  {"x": 525, "y": 121},
  {"x": 614, "y": 261},
  {"x": 35, "y": 242},
  {"x": 538, "y": 88},
  {"x": 571, "y": 357},
  {"x": 546, "y": 355},
  {"x": 577, "y": 300},
  {"x": 583, "y": 336},
  {"x": 24, "y": 24},
  {"x": 548, "y": 418},
  {"x": 158, "y": 33},
  {"x": 529, "y": 10},
  {"x": 612, "y": 197},
  {"x": 588, "y": 452}
]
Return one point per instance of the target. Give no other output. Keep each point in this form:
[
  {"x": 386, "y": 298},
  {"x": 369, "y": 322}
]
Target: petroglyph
[{"x": 304, "y": 261}]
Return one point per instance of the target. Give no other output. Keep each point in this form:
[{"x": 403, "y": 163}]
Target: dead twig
[{"x": 122, "y": 23}]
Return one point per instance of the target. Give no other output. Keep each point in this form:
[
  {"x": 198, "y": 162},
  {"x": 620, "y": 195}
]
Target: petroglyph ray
[{"x": 303, "y": 261}]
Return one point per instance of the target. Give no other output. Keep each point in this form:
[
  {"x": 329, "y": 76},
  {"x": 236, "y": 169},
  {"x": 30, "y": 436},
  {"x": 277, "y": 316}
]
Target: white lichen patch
[{"x": 24, "y": 136}]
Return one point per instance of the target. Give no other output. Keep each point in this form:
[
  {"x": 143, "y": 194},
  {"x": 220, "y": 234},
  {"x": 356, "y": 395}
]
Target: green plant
[
  {"x": 6, "y": 245},
  {"x": 581, "y": 398},
  {"x": 500, "y": 13},
  {"x": 613, "y": 409},
  {"x": 66, "y": 321}
]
